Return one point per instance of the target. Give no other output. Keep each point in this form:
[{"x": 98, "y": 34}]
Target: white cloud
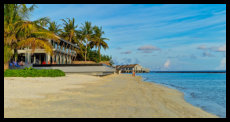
[
  {"x": 148, "y": 48},
  {"x": 213, "y": 48},
  {"x": 222, "y": 65},
  {"x": 167, "y": 64},
  {"x": 218, "y": 48},
  {"x": 222, "y": 49},
  {"x": 202, "y": 47}
]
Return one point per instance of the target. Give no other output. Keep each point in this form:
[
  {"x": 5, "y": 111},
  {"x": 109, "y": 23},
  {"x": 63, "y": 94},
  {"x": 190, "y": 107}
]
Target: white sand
[
  {"x": 17, "y": 87},
  {"x": 89, "y": 96}
]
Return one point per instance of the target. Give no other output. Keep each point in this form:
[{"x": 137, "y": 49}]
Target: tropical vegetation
[
  {"x": 98, "y": 41},
  {"x": 69, "y": 29},
  {"x": 20, "y": 32},
  {"x": 30, "y": 72}
]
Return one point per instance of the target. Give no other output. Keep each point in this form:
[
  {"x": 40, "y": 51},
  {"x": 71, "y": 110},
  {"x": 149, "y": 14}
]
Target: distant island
[{"x": 217, "y": 71}]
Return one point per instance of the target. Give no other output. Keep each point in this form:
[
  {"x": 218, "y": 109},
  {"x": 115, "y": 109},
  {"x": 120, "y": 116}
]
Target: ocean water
[{"x": 204, "y": 90}]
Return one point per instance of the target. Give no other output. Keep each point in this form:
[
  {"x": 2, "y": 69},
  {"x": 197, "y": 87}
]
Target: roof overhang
[{"x": 67, "y": 42}]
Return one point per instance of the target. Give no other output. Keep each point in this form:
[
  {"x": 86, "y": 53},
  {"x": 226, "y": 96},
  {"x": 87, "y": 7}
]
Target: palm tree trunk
[
  {"x": 70, "y": 38},
  {"x": 6, "y": 66},
  {"x": 15, "y": 54},
  {"x": 99, "y": 52},
  {"x": 86, "y": 49}
]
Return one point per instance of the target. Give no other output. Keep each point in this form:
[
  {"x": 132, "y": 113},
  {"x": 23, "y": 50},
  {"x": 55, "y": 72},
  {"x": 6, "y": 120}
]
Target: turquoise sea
[{"x": 204, "y": 90}]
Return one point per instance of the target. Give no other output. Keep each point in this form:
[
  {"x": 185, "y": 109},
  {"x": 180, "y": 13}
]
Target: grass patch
[{"x": 30, "y": 72}]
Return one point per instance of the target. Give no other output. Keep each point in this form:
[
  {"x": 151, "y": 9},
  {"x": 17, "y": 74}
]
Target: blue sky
[{"x": 157, "y": 36}]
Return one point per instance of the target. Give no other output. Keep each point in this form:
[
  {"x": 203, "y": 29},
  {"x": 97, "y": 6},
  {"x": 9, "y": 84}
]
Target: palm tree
[
  {"x": 69, "y": 29},
  {"x": 7, "y": 56},
  {"x": 79, "y": 38},
  {"x": 34, "y": 36},
  {"x": 55, "y": 28},
  {"x": 42, "y": 22},
  {"x": 14, "y": 14},
  {"x": 87, "y": 32},
  {"x": 98, "y": 40},
  {"x": 20, "y": 32}
]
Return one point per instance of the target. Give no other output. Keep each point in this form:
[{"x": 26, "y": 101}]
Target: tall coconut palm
[
  {"x": 98, "y": 40},
  {"x": 87, "y": 32},
  {"x": 14, "y": 14},
  {"x": 20, "y": 32},
  {"x": 55, "y": 28},
  {"x": 69, "y": 30},
  {"x": 79, "y": 38}
]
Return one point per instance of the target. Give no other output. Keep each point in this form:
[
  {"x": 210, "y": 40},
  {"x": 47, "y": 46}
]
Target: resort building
[
  {"x": 63, "y": 53},
  {"x": 63, "y": 58},
  {"x": 129, "y": 68}
]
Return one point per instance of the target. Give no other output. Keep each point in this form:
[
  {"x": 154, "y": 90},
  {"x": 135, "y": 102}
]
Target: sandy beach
[{"x": 114, "y": 96}]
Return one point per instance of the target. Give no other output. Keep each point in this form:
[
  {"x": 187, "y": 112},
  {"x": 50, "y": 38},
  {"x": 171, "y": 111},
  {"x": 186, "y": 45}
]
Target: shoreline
[
  {"x": 193, "y": 93},
  {"x": 116, "y": 96},
  {"x": 180, "y": 92},
  {"x": 172, "y": 87}
]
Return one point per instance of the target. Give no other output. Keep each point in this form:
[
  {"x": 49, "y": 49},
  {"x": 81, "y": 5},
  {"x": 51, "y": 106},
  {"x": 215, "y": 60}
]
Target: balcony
[{"x": 67, "y": 50}]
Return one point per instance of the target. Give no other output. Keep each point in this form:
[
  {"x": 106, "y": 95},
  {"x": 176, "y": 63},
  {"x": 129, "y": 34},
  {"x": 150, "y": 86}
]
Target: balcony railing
[
  {"x": 64, "y": 50},
  {"x": 67, "y": 50}
]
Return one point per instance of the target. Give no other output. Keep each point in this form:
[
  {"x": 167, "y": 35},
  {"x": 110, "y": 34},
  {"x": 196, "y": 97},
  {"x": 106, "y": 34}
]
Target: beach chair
[
  {"x": 11, "y": 65},
  {"x": 16, "y": 64}
]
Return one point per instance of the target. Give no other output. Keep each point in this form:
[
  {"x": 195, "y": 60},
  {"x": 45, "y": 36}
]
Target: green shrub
[{"x": 30, "y": 72}]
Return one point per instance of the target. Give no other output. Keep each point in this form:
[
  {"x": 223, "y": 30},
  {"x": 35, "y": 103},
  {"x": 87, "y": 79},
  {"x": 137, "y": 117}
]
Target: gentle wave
[{"x": 204, "y": 90}]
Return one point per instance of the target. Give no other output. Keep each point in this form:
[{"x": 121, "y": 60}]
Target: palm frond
[
  {"x": 46, "y": 35},
  {"x": 34, "y": 43},
  {"x": 42, "y": 22}
]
